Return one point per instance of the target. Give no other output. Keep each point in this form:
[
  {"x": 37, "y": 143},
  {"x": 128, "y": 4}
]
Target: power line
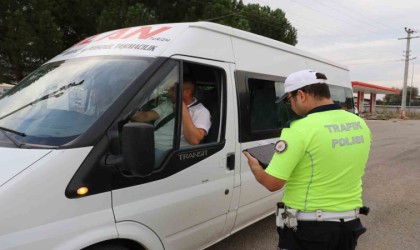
[
  {"x": 386, "y": 26},
  {"x": 239, "y": 14},
  {"x": 325, "y": 36},
  {"x": 388, "y": 61},
  {"x": 331, "y": 40},
  {"x": 316, "y": 30},
  {"x": 313, "y": 23},
  {"x": 331, "y": 16},
  {"x": 310, "y": 22},
  {"x": 346, "y": 14},
  {"x": 219, "y": 17}
]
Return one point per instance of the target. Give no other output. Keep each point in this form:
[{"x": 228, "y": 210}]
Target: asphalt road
[{"x": 391, "y": 189}]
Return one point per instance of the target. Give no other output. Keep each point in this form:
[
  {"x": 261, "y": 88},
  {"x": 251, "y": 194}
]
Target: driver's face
[
  {"x": 96, "y": 96},
  {"x": 172, "y": 93}
]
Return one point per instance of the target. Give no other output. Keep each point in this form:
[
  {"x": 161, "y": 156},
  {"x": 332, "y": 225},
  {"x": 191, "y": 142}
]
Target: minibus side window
[
  {"x": 160, "y": 109},
  {"x": 342, "y": 96},
  {"x": 163, "y": 106},
  {"x": 209, "y": 90},
  {"x": 265, "y": 114},
  {"x": 259, "y": 116}
]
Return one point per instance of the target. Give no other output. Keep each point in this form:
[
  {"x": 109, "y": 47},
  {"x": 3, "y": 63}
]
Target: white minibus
[{"x": 77, "y": 173}]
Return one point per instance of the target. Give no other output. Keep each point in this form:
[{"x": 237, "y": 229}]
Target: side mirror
[{"x": 138, "y": 149}]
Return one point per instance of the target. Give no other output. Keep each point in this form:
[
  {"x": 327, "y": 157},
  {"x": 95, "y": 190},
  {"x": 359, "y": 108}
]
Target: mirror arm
[{"x": 113, "y": 160}]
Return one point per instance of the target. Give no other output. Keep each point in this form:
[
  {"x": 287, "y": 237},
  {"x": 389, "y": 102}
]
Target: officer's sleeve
[{"x": 283, "y": 163}]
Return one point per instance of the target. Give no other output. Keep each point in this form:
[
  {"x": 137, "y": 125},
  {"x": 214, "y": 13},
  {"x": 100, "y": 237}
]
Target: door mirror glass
[{"x": 138, "y": 149}]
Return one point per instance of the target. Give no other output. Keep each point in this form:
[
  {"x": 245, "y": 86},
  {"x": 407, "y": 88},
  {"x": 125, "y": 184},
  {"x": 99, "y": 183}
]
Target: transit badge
[{"x": 280, "y": 146}]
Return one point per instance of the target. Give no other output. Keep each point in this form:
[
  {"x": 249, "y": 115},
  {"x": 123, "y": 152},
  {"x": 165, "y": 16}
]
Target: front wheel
[{"x": 125, "y": 245}]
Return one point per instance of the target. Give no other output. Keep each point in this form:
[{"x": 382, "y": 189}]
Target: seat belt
[
  {"x": 164, "y": 121},
  {"x": 170, "y": 117}
]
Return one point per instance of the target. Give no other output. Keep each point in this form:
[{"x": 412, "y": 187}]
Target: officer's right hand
[{"x": 252, "y": 161}]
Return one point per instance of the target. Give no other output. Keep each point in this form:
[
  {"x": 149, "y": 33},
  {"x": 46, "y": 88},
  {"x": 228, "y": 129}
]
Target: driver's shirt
[{"x": 165, "y": 134}]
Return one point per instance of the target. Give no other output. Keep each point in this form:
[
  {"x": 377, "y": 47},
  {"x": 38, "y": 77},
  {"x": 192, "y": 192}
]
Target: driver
[{"x": 195, "y": 118}]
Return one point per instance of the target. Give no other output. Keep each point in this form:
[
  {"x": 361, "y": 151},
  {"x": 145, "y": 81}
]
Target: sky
[{"x": 361, "y": 34}]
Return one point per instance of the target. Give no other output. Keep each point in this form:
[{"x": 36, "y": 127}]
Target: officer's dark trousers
[{"x": 321, "y": 235}]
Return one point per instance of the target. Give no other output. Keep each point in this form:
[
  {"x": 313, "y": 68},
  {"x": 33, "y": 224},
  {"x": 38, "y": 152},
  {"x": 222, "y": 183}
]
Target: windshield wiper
[
  {"x": 13, "y": 131},
  {"x": 16, "y": 142},
  {"x": 55, "y": 94}
]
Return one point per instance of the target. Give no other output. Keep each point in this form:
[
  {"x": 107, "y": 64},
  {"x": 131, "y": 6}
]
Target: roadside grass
[{"x": 391, "y": 115}]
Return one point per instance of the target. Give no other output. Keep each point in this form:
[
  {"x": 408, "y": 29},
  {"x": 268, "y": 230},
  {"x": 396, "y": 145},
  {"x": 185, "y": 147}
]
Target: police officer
[{"x": 321, "y": 157}]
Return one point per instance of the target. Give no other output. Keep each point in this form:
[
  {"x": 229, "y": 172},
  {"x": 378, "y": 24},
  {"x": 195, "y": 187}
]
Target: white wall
[{"x": 394, "y": 109}]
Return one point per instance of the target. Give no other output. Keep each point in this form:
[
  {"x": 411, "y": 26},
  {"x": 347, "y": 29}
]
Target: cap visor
[{"x": 282, "y": 98}]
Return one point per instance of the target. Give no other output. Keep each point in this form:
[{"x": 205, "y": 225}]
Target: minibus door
[{"x": 187, "y": 199}]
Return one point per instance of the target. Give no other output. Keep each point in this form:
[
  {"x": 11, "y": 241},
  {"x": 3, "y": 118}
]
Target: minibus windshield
[{"x": 60, "y": 100}]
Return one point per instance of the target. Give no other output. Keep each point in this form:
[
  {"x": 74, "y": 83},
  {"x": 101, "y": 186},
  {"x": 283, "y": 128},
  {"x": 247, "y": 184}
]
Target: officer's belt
[{"x": 328, "y": 216}]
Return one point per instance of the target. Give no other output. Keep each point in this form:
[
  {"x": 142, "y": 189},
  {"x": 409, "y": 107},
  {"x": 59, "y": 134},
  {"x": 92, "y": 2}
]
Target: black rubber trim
[{"x": 244, "y": 119}]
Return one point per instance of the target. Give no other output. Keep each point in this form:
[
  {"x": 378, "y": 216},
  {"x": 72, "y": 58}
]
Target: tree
[
  {"x": 258, "y": 19},
  {"x": 29, "y": 36},
  {"x": 392, "y": 98},
  {"x": 412, "y": 93},
  {"x": 33, "y": 31},
  {"x": 77, "y": 18},
  {"x": 396, "y": 98},
  {"x": 118, "y": 14},
  {"x": 273, "y": 24}
]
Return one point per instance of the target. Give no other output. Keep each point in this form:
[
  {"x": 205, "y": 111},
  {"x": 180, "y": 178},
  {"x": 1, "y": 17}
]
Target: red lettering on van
[
  {"x": 144, "y": 32},
  {"x": 86, "y": 41},
  {"x": 115, "y": 35}
]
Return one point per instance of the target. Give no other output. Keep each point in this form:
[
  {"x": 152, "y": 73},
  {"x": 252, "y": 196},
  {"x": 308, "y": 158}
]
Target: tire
[{"x": 109, "y": 246}]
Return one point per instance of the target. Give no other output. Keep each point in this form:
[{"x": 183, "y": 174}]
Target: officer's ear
[{"x": 303, "y": 96}]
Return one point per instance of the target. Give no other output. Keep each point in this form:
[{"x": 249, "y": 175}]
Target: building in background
[{"x": 362, "y": 88}]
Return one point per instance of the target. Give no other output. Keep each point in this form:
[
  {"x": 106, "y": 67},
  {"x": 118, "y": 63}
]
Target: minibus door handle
[{"x": 230, "y": 161}]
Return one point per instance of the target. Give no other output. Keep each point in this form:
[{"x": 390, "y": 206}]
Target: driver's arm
[
  {"x": 192, "y": 134},
  {"x": 147, "y": 116}
]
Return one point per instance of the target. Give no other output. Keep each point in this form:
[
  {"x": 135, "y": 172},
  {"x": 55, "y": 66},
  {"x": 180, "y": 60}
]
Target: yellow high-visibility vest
[{"x": 323, "y": 158}]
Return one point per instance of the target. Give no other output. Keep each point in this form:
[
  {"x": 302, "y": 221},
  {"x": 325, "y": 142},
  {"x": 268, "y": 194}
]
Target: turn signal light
[{"x": 82, "y": 190}]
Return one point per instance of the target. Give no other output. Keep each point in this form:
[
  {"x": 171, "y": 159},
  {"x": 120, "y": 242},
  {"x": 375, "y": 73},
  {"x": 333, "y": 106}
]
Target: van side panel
[
  {"x": 263, "y": 56},
  {"x": 336, "y": 76},
  {"x": 258, "y": 58},
  {"x": 201, "y": 43},
  {"x": 139, "y": 233}
]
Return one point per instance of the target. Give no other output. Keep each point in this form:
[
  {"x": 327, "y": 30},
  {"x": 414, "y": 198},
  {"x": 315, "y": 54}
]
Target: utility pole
[
  {"x": 407, "y": 58},
  {"x": 411, "y": 90}
]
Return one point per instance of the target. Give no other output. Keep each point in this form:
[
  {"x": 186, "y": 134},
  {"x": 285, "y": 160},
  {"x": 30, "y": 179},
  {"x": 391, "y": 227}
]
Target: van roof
[
  {"x": 200, "y": 39},
  {"x": 258, "y": 39}
]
